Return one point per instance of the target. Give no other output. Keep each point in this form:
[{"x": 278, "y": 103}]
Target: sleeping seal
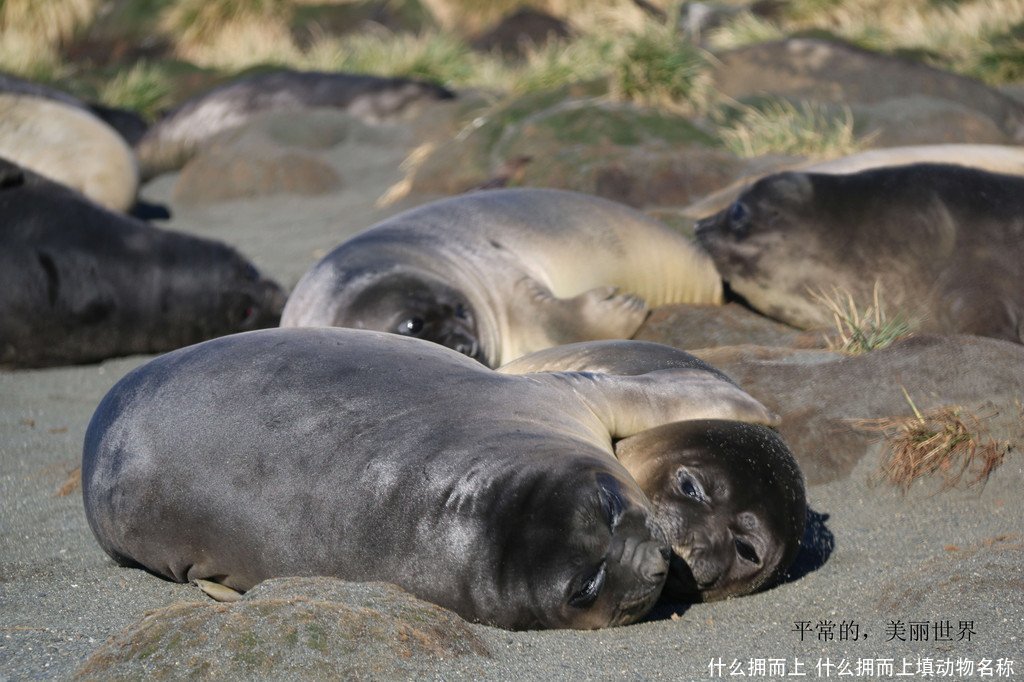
[
  {"x": 501, "y": 273},
  {"x": 728, "y": 495},
  {"x": 79, "y": 283},
  {"x": 945, "y": 245},
  {"x": 176, "y": 137},
  {"x": 69, "y": 146},
  {"x": 328, "y": 452}
]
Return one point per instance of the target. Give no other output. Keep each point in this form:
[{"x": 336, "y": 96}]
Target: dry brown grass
[{"x": 948, "y": 441}]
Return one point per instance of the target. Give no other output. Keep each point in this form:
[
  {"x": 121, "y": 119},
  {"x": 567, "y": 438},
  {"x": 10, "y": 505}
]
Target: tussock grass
[
  {"x": 25, "y": 55},
  {"x": 50, "y": 21},
  {"x": 947, "y": 441},
  {"x": 781, "y": 127},
  {"x": 973, "y": 38},
  {"x": 656, "y": 67},
  {"x": 202, "y": 22},
  {"x": 859, "y": 331},
  {"x": 142, "y": 88},
  {"x": 744, "y": 29}
]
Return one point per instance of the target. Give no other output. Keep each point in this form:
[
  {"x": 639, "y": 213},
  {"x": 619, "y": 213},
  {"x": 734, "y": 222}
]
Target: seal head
[{"x": 731, "y": 500}]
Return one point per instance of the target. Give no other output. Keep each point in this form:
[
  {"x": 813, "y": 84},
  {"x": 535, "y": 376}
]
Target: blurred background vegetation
[{"x": 149, "y": 54}]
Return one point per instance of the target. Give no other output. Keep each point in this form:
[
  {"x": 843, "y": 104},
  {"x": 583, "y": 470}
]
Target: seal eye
[
  {"x": 249, "y": 315},
  {"x": 690, "y": 486},
  {"x": 612, "y": 505},
  {"x": 587, "y": 594},
  {"x": 739, "y": 219},
  {"x": 412, "y": 326},
  {"x": 747, "y": 552}
]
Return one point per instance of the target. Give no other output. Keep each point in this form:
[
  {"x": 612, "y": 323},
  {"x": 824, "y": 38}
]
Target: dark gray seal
[
  {"x": 944, "y": 244},
  {"x": 79, "y": 283},
  {"x": 174, "y": 139},
  {"x": 498, "y": 274},
  {"x": 728, "y": 495},
  {"x": 370, "y": 456}
]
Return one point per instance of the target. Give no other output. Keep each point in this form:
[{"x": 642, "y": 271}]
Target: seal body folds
[
  {"x": 502, "y": 273},
  {"x": 369, "y": 456}
]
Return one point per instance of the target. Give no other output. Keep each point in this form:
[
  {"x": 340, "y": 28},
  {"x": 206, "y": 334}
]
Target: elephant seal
[
  {"x": 942, "y": 243},
  {"x": 501, "y": 273},
  {"x": 326, "y": 451},
  {"x": 729, "y": 496},
  {"x": 174, "y": 139},
  {"x": 128, "y": 124},
  {"x": 990, "y": 157},
  {"x": 69, "y": 146},
  {"x": 79, "y": 283}
]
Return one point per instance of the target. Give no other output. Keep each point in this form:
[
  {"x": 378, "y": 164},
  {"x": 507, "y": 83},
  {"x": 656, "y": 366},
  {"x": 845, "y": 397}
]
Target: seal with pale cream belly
[
  {"x": 499, "y": 274},
  {"x": 728, "y": 495},
  {"x": 369, "y": 456}
]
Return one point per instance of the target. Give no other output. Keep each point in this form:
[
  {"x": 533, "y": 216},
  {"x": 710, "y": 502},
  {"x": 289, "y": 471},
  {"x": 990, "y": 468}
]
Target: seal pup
[
  {"x": 729, "y": 496},
  {"x": 990, "y": 157},
  {"x": 325, "y": 451},
  {"x": 501, "y": 273},
  {"x": 128, "y": 124},
  {"x": 176, "y": 137},
  {"x": 79, "y": 283},
  {"x": 943, "y": 245},
  {"x": 69, "y": 146}
]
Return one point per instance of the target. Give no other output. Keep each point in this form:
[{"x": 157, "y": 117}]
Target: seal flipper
[
  {"x": 218, "y": 592},
  {"x": 600, "y": 313},
  {"x": 627, "y": 405}
]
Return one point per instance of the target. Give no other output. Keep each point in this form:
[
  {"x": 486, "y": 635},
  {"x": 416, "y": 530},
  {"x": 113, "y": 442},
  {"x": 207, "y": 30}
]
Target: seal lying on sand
[
  {"x": 943, "y": 244},
  {"x": 498, "y": 274},
  {"x": 729, "y": 496},
  {"x": 174, "y": 139},
  {"x": 327, "y": 452},
  {"x": 69, "y": 146},
  {"x": 79, "y": 283}
]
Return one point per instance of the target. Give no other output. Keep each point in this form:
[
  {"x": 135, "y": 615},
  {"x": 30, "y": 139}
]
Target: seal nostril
[{"x": 666, "y": 553}]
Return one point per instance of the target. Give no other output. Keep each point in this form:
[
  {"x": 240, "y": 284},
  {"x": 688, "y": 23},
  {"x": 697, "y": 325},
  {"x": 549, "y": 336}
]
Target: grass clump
[
  {"x": 657, "y": 68},
  {"x": 946, "y": 441},
  {"x": 859, "y": 331},
  {"x": 49, "y": 21},
  {"x": 143, "y": 88},
  {"x": 201, "y": 22},
  {"x": 781, "y": 127}
]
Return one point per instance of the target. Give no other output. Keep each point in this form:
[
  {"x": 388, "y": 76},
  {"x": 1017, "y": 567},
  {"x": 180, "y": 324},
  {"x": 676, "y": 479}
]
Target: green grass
[
  {"x": 857, "y": 331},
  {"x": 143, "y": 88},
  {"x": 657, "y": 67},
  {"x": 781, "y": 127}
]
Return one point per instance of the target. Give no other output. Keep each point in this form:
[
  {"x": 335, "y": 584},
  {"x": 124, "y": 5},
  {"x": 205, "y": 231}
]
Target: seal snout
[{"x": 648, "y": 559}]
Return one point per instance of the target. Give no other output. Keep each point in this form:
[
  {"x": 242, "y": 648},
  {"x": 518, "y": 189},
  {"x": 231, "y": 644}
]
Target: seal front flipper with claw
[{"x": 545, "y": 320}]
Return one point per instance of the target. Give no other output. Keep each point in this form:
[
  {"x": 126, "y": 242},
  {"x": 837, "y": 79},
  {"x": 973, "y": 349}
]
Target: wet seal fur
[
  {"x": 70, "y": 146},
  {"x": 729, "y": 496},
  {"x": 944, "y": 243},
  {"x": 498, "y": 274},
  {"x": 325, "y": 452},
  {"x": 176, "y": 137},
  {"x": 79, "y": 283}
]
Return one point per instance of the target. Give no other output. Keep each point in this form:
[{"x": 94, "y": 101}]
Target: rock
[
  {"x": 627, "y": 153},
  {"x": 922, "y": 119},
  {"x": 837, "y": 72},
  {"x": 266, "y": 157},
  {"x": 704, "y": 326},
  {"x": 517, "y": 33},
  {"x": 301, "y": 627},
  {"x": 820, "y": 394}
]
